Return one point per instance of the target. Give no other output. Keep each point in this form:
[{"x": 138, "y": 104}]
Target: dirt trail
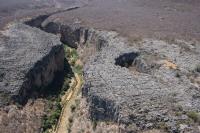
[{"x": 67, "y": 101}]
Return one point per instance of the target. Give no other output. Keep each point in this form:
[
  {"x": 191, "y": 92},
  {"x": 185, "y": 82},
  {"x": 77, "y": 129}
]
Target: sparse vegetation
[
  {"x": 52, "y": 119},
  {"x": 197, "y": 69},
  {"x": 162, "y": 125},
  {"x": 134, "y": 40},
  {"x": 73, "y": 108},
  {"x": 77, "y": 102},
  {"x": 70, "y": 119},
  {"x": 178, "y": 113},
  {"x": 70, "y": 124},
  {"x": 54, "y": 112},
  {"x": 179, "y": 108},
  {"x": 94, "y": 125},
  {"x": 54, "y": 101},
  {"x": 73, "y": 57},
  {"x": 78, "y": 69},
  {"x": 69, "y": 130},
  {"x": 82, "y": 131},
  {"x": 74, "y": 54},
  {"x": 194, "y": 116},
  {"x": 168, "y": 39},
  {"x": 71, "y": 53}
]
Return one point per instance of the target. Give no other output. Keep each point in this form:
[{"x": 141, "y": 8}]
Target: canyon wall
[
  {"x": 141, "y": 85},
  {"x": 30, "y": 59}
]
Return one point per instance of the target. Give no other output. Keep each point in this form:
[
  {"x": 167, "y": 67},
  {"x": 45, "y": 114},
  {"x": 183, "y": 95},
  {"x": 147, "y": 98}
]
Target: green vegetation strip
[{"x": 54, "y": 101}]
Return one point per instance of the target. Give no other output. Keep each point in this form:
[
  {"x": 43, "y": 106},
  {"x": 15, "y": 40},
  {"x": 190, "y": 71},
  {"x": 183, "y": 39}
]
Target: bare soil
[
  {"x": 133, "y": 18},
  {"x": 141, "y": 18},
  {"x": 26, "y": 119}
]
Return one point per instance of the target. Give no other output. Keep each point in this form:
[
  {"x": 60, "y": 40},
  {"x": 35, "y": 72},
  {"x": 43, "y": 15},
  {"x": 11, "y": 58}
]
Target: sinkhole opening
[{"x": 126, "y": 59}]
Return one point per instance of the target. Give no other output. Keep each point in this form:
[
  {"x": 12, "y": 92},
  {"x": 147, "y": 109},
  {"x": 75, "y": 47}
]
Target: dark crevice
[
  {"x": 52, "y": 27},
  {"x": 51, "y": 90},
  {"x": 140, "y": 62},
  {"x": 55, "y": 87},
  {"x": 126, "y": 60},
  {"x": 69, "y": 36},
  {"x": 37, "y": 22}
]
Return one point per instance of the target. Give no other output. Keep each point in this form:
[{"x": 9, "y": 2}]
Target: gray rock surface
[
  {"x": 29, "y": 59},
  {"x": 151, "y": 95},
  {"x": 158, "y": 89}
]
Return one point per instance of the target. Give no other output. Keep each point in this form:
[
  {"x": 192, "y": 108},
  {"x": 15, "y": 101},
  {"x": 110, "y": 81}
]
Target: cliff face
[{"x": 29, "y": 59}]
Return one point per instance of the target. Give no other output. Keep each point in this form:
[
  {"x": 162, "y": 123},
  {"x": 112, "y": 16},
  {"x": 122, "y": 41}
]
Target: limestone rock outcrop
[{"x": 29, "y": 59}]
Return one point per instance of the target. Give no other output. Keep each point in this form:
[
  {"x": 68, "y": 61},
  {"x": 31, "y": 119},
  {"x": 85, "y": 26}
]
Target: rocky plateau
[{"x": 139, "y": 85}]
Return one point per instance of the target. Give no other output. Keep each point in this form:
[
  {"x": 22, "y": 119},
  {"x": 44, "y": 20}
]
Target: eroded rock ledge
[{"x": 29, "y": 59}]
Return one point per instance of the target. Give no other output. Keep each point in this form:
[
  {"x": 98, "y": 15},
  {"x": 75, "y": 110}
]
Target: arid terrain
[
  {"x": 134, "y": 18},
  {"x": 100, "y": 66}
]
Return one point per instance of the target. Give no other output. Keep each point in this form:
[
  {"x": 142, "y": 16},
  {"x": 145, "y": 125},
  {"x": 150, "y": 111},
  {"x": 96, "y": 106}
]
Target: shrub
[
  {"x": 58, "y": 107},
  {"x": 73, "y": 62},
  {"x": 54, "y": 117},
  {"x": 94, "y": 125},
  {"x": 194, "y": 115},
  {"x": 73, "y": 107},
  {"x": 58, "y": 100},
  {"x": 178, "y": 113},
  {"x": 66, "y": 85},
  {"x": 77, "y": 102},
  {"x": 198, "y": 68},
  {"x": 70, "y": 119},
  {"x": 162, "y": 125},
  {"x": 179, "y": 107},
  {"x": 70, "y": 124},
  {"x": 46, "y": 124},
  {"x": 67, "y": 53},
  {"x": 49, "y": 121},
  {"x": 69, "y": 130},
  {"x": 78, "y": 69},
  {"x": 74, "y": 54}
]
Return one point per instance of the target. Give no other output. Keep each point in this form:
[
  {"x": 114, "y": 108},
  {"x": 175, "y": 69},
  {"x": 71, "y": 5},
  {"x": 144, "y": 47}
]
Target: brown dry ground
[
  {"x": 25, "y": 119},
  {"x": 165, "y": 19}
]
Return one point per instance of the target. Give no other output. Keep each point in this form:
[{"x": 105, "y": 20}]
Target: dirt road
[{"x": 67, "y": 101}]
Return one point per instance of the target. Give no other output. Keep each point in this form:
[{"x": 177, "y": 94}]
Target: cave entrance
[{"x": 126, "y": 60}]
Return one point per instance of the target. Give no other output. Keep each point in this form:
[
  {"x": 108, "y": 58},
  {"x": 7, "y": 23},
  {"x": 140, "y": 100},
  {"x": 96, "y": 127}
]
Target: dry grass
[
  {"x": 135, "y": 40},
  {"x": 169, "y": 64}
]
